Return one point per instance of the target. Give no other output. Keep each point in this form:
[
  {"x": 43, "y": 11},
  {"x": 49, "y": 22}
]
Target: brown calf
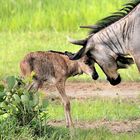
[{"x": 55, "y": 68}]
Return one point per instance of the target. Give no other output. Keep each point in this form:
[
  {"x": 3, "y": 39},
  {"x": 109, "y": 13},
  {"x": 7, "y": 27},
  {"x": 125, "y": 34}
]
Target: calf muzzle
[{"x": 95, "y": 76}]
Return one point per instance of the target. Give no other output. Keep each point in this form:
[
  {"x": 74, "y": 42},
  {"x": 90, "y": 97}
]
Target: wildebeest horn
[
  {"x": 82, "y": 42},
  {"x": 89, "y": 26}
]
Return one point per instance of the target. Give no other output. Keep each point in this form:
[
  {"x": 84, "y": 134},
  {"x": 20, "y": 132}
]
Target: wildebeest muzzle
[{"x": 114, "y": 81}]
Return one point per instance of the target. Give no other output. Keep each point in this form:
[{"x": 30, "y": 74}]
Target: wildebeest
[
  {"x": 55, "y": 68},
  {"x": 112, "y": 37}
]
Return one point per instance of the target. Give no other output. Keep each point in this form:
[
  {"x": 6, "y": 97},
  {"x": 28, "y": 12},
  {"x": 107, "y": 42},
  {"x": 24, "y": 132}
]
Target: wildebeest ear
[{"x": 124, "y": 62}]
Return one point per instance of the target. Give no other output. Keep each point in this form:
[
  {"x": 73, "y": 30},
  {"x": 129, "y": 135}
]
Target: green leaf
[
  {"x": 1, "y": 88},
  {"x": 1, "y": 112},
  {"x": 17, "y": 98},
  {"x": 3, "y": 105},
  {"x": 31, "y": 104},
  {"x": 2, "y": 94},
  {"x": 10, "y": 80},
  {"x": 35, "y": 99},
  {"x": 25, "y": 99}
]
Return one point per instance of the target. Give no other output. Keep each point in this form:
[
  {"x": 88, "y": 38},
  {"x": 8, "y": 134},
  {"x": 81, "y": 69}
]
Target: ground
[
  {"x": 89, "y": 90},
  {"x": 84, "y": 90}
]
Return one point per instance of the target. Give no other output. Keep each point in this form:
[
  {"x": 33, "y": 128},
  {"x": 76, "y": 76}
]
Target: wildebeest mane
[{"x": 105, "y": 22}]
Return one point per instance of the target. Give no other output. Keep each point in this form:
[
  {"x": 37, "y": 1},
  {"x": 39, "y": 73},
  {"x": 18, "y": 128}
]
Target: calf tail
[{"x": 25, "y": 68}]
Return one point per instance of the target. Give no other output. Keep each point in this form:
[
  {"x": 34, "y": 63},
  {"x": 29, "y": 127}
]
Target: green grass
[
  {"x": 56, "y": 15},
  {"x": 91, "y": 110},
  {"x": 99, "y": 109},
  {"x": 10, "y": 131},
  {"x": 60, "y": 133}
]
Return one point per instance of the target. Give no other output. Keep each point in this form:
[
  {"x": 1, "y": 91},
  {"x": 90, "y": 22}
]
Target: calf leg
[
  {"x": 61, "y": 88},
  {"x": 35, "y": 85}
]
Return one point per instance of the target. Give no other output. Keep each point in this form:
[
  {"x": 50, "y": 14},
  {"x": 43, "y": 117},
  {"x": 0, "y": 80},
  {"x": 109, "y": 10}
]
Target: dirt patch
[
  {"x": 88, "y": 90},
  {"x": 84, "y": 90},
  {"x": 113, "y": 126}
]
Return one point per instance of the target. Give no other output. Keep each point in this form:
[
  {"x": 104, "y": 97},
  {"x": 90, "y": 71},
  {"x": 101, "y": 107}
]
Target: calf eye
[{"x": 88, "y": 62}]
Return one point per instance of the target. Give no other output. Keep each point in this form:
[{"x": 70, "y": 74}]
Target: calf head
[{"x": 86, "y": 65}]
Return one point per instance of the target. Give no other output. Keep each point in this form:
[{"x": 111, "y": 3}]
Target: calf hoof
[{"x": 70, "y": 125}]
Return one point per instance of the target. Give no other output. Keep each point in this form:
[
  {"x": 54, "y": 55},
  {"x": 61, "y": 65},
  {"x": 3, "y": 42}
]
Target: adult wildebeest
[
  {"x": 112, "y": 37},
  {"x": 55, "y": 68}
]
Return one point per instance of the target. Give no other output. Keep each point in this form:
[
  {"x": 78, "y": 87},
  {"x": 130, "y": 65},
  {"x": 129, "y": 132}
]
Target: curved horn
[
  {"x": 78, "y": 42},
  {"x": 89, "y": 26}
]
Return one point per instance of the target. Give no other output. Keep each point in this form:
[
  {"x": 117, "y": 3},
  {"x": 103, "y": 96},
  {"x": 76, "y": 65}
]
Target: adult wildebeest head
[
  {"x": 113, "y": 37},
  {"x": 106, "y": 59}
]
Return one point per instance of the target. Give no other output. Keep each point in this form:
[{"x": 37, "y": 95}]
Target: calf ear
[
  {"x": 69, "y": 54},
  {"x": 79, "y": 54}
]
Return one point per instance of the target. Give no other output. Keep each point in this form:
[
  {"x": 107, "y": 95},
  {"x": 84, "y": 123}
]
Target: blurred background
[{"x": 32, "y": 25}]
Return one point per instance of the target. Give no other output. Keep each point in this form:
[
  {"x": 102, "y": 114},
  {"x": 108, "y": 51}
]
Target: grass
[
  {"x": 56, "y": 15},
  {"x": 61, "y": 133},
  {"x": 11, "y": 131},
  {"x": 99, "y": 109}
]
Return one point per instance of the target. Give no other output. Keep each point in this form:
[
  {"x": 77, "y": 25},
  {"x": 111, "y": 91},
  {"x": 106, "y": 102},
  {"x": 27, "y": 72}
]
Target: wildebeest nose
[
  {"x": 95, "y": 76},
  {"x": 114, "y": 81}
]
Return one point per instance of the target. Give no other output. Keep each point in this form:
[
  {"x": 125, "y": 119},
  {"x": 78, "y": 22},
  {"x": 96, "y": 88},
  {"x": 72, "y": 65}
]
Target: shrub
[{"x": 17, "y": 101}]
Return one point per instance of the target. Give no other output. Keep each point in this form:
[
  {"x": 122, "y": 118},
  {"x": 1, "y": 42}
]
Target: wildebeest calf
[{"x": 55, "y": 68}]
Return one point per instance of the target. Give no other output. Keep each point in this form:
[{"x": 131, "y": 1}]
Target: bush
[
  {"x": 21, "y": 111},
  {"x": 17, "y": 101}
]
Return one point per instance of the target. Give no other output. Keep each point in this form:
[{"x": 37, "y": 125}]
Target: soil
[
  {"x": 89, "y": 90},
  {"x": 84, "y": 90},
  {"x": 113, "y": 126}
]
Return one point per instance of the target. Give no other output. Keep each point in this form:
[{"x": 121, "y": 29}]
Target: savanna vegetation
[{"x": 41, "y": 25}]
